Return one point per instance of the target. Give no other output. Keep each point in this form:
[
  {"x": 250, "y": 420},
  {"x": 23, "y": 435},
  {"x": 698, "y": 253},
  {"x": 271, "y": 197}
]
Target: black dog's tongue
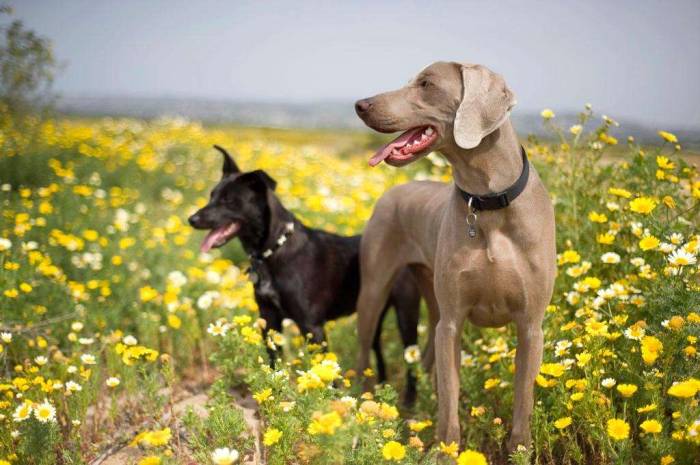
[{"x": 218, "y": 236}]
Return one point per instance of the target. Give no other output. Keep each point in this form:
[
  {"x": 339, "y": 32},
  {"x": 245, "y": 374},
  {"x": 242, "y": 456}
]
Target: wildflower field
[{"x": 108, "y": 312}]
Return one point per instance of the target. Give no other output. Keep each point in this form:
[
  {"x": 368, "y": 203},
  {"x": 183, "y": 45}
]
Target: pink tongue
[
  {"x": 214, "y": 236},
  {"x": 397, "y": 143}
]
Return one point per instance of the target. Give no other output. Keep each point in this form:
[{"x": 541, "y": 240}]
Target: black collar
[
  {"x": 501, "y": 199},
  {"x": 281, "y": 240}
]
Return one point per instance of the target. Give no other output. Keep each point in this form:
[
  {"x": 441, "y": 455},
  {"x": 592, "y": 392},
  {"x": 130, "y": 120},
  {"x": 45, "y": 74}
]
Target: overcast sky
[{"x": 632, "y": 59}]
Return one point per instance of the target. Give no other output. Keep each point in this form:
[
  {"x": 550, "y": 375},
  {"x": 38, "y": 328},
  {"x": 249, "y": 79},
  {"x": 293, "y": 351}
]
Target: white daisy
[
  {"x": 665, "y": 247},
  {"x": 681, "y": 257},
  {"x": 218, "y": 329},
  {"x": 72, "y": 386},
  {"x": 45, "y": 412},
  {"x": 22, "y": 412},
  {"x": 412, "y": 354},
  {"x": 5, "y": 244},
  {"x": 224, "y": 456},
  {"x": 608, "y": 382}
]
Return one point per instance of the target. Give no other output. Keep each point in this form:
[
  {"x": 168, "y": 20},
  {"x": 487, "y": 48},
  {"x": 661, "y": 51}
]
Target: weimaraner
[{"x": 483, "y": 246}]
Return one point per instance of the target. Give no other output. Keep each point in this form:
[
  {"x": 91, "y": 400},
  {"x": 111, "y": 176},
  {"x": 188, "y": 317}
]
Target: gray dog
[{"x": 483, "y": 246}]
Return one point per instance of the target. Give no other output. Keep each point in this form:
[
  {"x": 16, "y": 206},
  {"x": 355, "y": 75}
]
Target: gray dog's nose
[
  {"x": 361, "y": 106},
  {"x": 193, "y": 220}
]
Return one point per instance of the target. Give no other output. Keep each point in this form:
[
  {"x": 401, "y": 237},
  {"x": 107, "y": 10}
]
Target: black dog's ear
[
  {"x": 258, "y": 178},
  {"x": 230, "y": 166}
]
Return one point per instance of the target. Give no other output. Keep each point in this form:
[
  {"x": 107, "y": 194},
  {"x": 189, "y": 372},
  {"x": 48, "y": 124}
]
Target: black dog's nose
[
  {"x": 193, "y": 220},
  {"x": 361, "y": 106}
]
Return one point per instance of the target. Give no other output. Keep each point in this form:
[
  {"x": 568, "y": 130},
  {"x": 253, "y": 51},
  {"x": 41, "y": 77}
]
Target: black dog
[{"x": 307, "y": 275}]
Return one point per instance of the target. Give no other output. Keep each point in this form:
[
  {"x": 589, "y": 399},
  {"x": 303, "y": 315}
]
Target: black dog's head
[{"x": 238, "y": 206}]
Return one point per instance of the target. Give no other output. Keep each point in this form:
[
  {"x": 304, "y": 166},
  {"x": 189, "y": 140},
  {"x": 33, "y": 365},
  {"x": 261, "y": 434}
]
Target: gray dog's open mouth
[
  {"x": 219, "y": 236},
  {"x": 406, "y": 146}
]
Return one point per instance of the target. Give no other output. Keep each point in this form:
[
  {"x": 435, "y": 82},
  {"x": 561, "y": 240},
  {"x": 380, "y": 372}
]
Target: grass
[{"x": 108, "y": 309}]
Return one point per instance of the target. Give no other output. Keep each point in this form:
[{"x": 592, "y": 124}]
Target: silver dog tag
[
  {"x": 471, "y": 225},
  {"x": 471, "y": 219}
]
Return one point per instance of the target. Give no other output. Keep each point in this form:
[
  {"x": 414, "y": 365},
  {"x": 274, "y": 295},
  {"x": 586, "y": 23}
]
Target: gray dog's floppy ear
[
  {"x": 230, "y": 166},
  {"x": 485, "y": 106}
]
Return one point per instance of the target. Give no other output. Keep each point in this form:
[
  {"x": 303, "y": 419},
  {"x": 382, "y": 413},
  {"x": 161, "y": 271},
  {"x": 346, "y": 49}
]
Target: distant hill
[{"x": 309, "y": 115}]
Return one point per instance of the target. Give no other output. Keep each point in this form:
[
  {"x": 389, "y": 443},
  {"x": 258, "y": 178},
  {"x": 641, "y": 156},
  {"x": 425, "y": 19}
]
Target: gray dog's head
[{"x": 447, "y": 104}]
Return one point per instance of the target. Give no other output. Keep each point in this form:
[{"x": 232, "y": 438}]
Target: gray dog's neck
[{"x": 492, "y": 166}]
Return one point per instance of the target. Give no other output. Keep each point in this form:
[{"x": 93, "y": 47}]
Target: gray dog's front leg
[
  {"x": 528, "y": 358},
  {"x": 447, "y": 358}
]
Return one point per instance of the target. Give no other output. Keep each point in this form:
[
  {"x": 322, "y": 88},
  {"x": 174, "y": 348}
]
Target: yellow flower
[
  {"x": 667, "y": 460},
  {"x": 618, "y": 429},
  {"x": 562, "y": 422},
  {"x": 668, "y": 137},
  {"x": 149, "y": 460},
  {"x": 596, "y": 217},
  {"x": 387, "y": 412},
  {"x": 649, "y": 243},
  {"x": 415, "y": 442},
  {"x": 643, "y": 205},
  {"x": 418, "y": 426},
  {"x": 552, "y": 369},
  {"x": 684, "y": 389},
  {"x": 664, "y": 163},
  {"x": 157, "y": 437},
  {"x": 627, "y": 390},
  {"x": 147, "y": 293},
  {"x": 607, "y": 138},
  {"x": 393, "y": 451},
  {"x": 325, "y": 423},
  {"x": 450, "y": 449},
  {"x": 651, "y": 349},
  {"x": 272, "y": 436},
  {"x": 605, "y": 238},
  {"x": 547, "y": 114},
  {"x": 647, "y": 408},
  {"x": 569, "y": 256},
  {"x": 327, "y": 370},
  {"x": 651, "y": 426},
  {"x": 624, "y": 193},
  {"x": 491, "y": 383},
  {"x": 583, "y": 358},
  {"x": 544, "y": 382},
  {"x": 472, "y": 457},
  {"x": 263, "y": 395},
  {"x": 174, "y": 321}
]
